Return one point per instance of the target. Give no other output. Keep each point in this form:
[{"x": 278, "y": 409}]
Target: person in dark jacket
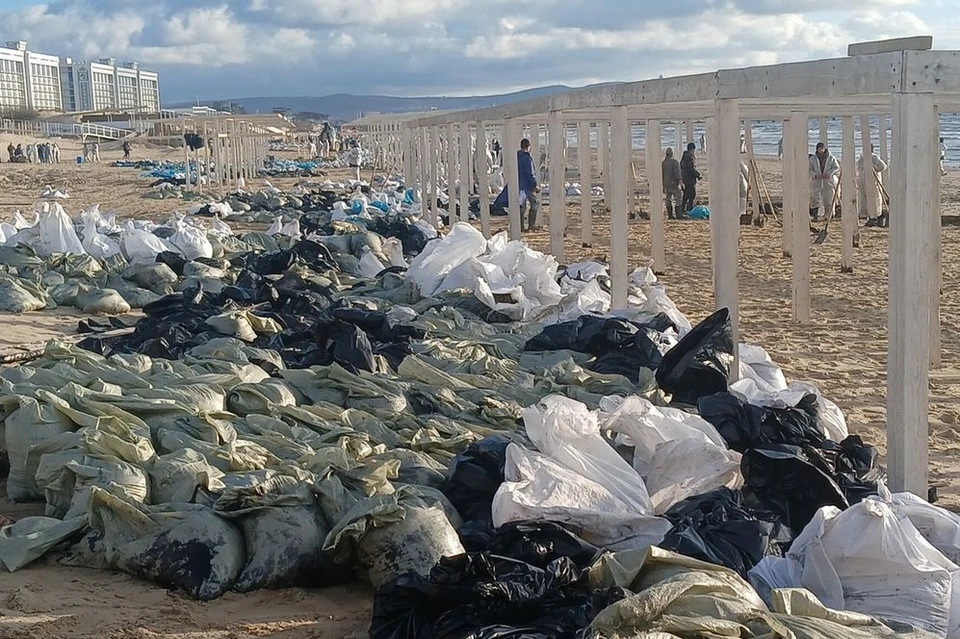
[
  {"x": 671, "y": 183},
  {"x": 689, "y": 175},
  {"x": 529, "y": 187}
]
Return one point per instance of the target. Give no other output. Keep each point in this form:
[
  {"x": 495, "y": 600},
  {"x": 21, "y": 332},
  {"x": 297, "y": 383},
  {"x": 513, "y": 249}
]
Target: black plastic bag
[
  {"x": 540, "y": 542},
  {"x": 700, "y": 363},
  {"x": 745, "y": 426},
  {"x": 483, "y": 595},
  {"x": 175, "y": 261},
  {"x": 782, "y": 480},
  {"x": 474, "y": 477},
  {"x": 715, "y": 527}
]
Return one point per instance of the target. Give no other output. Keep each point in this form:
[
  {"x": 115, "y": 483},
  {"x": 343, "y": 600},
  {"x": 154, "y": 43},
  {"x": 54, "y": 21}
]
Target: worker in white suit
[
  {"x": 824, "y": 177},
  {"x": 870, "y": 203}
]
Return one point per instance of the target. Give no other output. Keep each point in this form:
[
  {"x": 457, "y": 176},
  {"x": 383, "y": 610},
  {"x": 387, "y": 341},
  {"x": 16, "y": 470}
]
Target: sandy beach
[{"x": 843, "y": 351}]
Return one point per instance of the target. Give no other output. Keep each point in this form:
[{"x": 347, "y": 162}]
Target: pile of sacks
[{"x": 481, "y": 437}]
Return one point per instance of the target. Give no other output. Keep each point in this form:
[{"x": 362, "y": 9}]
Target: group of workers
[{"x": 43, "y": 153}]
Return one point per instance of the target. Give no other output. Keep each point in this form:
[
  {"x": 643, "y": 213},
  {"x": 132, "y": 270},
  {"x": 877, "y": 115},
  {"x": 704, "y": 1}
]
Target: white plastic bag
[
  {"x": 867, "y": 559},
  {"x": 538, "y": 488},
  {"x": 141, "y": 247},
  {"x": 370, "y": 266},
  {"x": 564, "y": 430},
  {"x": 440, "y": 257},
  {"x": 191, "y": 241},
  {"x": 658, "y": 302},
  {"x": 56, "y": 233},
  {"x": 94, "y": 242},
  {"x": 393, "y": 249},
  {"x": 647, "y": 426},
  {"x": 937, "y": 525},
  {"x": 756, "y": 364}
]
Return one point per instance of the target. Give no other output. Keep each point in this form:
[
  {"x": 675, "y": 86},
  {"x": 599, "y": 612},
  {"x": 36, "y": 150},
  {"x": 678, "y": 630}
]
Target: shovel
[{"x": 822, "y": 236}]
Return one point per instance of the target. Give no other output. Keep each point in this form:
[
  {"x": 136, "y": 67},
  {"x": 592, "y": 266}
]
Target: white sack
[
  {"x": 538, "y": 488},
  {"x": 438, "y": 258},
  {"x": 830, "y": 417},
  {"x": 56, "y": 233},
  {"x": 191, "y": 241}
]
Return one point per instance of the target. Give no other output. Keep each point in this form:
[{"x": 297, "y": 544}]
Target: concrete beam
[{"x": 915, "y": 43}]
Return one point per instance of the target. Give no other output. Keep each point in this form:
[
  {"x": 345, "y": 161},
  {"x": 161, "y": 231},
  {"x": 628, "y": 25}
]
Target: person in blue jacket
[{"x": 529, "y": 186}]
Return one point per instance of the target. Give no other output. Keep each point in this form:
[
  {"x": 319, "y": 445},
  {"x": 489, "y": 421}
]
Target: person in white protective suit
[
  {"x": 824, "y": 176},
  {"x": 870, "y": 203}
]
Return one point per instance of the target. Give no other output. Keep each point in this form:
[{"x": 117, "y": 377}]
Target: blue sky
[{"x": 243, "y": 48}]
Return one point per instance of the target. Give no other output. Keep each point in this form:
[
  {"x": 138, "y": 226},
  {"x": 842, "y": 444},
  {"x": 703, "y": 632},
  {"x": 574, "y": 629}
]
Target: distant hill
[{"x": 344, "y": 107}]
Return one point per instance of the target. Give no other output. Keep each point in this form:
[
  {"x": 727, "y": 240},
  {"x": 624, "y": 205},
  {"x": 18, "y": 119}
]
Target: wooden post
[
  {"x": 866, "y": 141},
  {"x": 756, "y": 202},
  {"x": 620, "y": 163},
  {"x": 433, "y": 174},
  {"x": 483, "y": 176},
  {"x": 186, "y": 157},
  {"x": 409, "y": 177},
  {"x": 882, "y": 130},
  {"x": 689, "y": 135},
  {"x": 726, "y": 214},
  {"x": 914, "y": 144},
  {"x": 848, "y": 191},
  {"x": 558, "y": 191},
  {"x": 654, "y": 159},
  {"x": 206, "y": 153},
  {"x": 452, "y": 173},
  {"x": 935, "y": 279},
  {"x": 799, "y": 174},
  {"x": 511, "y": 144},
  {"x": 824, "y": 132},
  {"x": 585, "y": 165},
  {"x": 713, "y": 170},
  {"x": 466, "y": 178},
  {"x": 603, "y": 159},
  {"x": 218, "y": 154},
  {"x": 788, "y": 185}
]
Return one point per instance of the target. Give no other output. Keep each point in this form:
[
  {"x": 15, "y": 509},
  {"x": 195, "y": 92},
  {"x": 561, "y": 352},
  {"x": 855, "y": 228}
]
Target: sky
[{"x": 217, "y": 49}]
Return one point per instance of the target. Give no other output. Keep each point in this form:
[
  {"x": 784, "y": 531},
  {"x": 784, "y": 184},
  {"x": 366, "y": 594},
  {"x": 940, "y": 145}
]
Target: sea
[{"x": 766, "y": 135}]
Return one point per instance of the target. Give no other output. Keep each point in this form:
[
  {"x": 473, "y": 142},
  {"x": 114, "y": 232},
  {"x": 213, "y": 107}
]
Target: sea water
[{"x": 766, "y": 135}]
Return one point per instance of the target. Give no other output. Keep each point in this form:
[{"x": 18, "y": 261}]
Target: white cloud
[{"x": 234, "y": 48}]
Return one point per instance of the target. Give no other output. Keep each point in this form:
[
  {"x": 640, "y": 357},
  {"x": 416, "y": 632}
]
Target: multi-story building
[
  {"x": 103, "y": 85},
  {"x": 32, "y": 81},
  {"x": 28, "y": 80}
]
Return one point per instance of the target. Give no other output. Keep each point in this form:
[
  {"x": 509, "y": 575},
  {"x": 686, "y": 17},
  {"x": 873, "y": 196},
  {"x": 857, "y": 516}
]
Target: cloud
[{"x": 237, "y": 48}]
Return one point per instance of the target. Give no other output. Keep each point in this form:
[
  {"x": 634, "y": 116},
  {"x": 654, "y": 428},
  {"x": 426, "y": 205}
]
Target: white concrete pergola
[
  {"x": 903, "y": 78},
  {"x": 237, "y": 148}
]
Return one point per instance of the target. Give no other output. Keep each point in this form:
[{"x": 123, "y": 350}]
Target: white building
[
  {"x": 28, "y": 80},
  {"x": 103, "y": 85}
]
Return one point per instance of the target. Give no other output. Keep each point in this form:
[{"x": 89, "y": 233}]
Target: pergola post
[
  {"x": 433, "y": 174},
  {"x": 756, "y": 203},
  {"x": 620, "y": 164},
  {"x": 409, "y": 177},
  {"x": 914, "y": 126},
  {"x": 689, "y": 136},
  {"x": 797, "y": 172},
  {"x": 511, "y": 144},
  {"x": 558, "y": 191},
  {"x": 603, "y": 159},
  {"x": 882, "y": 131},
  {"x": 452, "y": 174},
  {"x": 483, "y": 177},
  {"x": 585, "y": 166},
  {"x": 726, "y": 213},
  {"x": 655, "y": 182},
  {"x": 713, "y": 198},
  {"x": 787, "y": 191},
  {"x": 466, "y": 177},
  {"x": 848, "y": 191},
  {"x": 824, "y": 137},
  {"x": 935, "y": 280},
  {"x": 866, "y": 142}
]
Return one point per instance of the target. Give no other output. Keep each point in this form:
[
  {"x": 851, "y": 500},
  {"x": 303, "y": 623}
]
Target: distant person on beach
[
  {"x": 703, "y": 143},
  {"x": 780, "y": 148},
  {"x": 496, "y": 151},
  {"x": 353, "y": 158},
  {"x": 126, "y": 150},
  {"x": 943, "y": 155},
  {"x": 672, "y": 176},
  {"x": 10, "y": 150},
  {"x": 529, "y": 187},
  {"x": 870, "y": 210},
  {"x": 55, "y": 149},
  {"x": 743, "y": 142},
  {"x": 32, "y": 153},
  {"x": 689, "y": 175},
  {"x": 823, "y": 170}
]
